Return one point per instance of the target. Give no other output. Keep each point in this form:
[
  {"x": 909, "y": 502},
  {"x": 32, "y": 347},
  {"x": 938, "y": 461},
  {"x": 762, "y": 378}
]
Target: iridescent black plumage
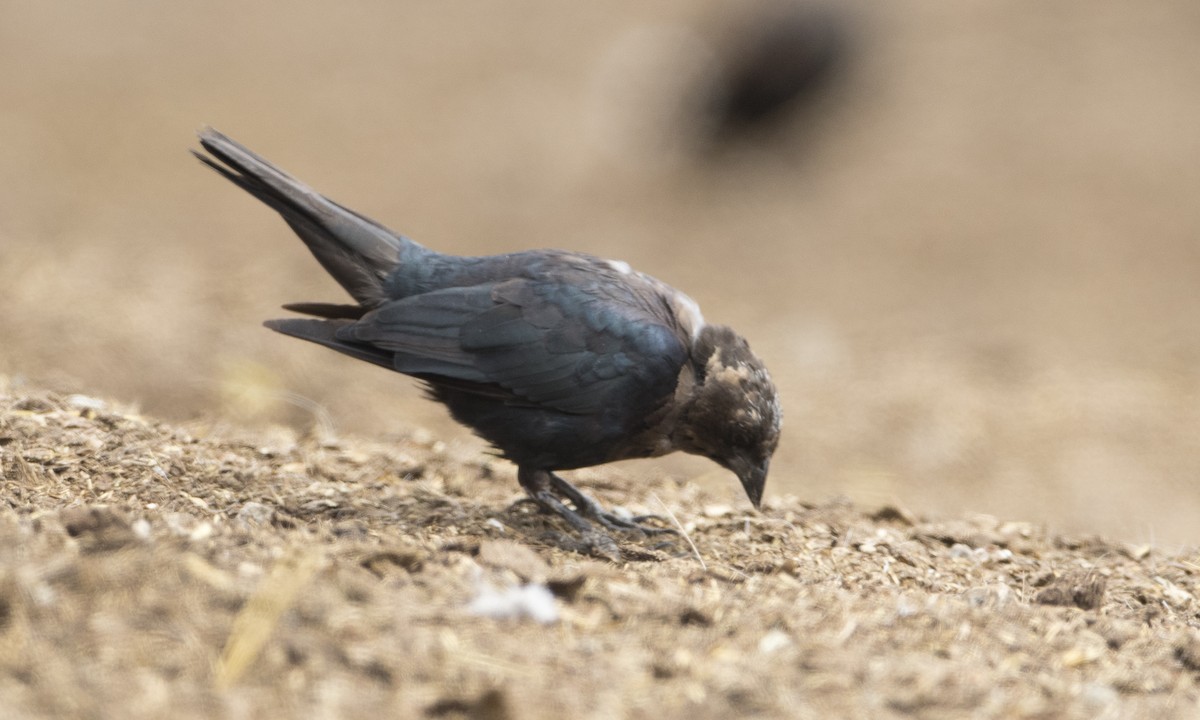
[{"x": 561, "y": 360}]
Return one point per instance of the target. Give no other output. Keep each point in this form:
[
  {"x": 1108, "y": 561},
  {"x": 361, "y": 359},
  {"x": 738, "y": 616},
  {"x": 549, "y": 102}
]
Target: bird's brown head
[{"x": 733, "y": 416}]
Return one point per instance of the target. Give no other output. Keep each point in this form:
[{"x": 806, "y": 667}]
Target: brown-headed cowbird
[{"x": 559, "y": 359}]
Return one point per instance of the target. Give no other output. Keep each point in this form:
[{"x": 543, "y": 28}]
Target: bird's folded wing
[{"x": 549, "y": 344}]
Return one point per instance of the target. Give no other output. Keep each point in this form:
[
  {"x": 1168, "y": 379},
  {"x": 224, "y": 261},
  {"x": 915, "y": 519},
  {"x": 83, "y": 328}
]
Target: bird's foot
[
  {"x": 593, "y": 510},
  {"x": 549, "y": 492},
  {"x": 588, "y": 539}
]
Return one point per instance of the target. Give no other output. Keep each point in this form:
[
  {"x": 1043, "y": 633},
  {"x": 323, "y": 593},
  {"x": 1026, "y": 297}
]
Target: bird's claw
[
  {"x": 594, "y": 511},
  {"x": 550, "y": 492},
  {"x": 632, "y": 525}
]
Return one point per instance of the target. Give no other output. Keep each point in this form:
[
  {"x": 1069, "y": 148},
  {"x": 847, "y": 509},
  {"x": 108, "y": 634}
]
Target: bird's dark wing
[{"x": 563, "y": 345}]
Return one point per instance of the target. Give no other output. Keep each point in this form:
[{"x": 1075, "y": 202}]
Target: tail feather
[
  {"x": 333, "y": 311},
  {"x": 358, "y": 252},
  {"x": 324, "y": 332}
]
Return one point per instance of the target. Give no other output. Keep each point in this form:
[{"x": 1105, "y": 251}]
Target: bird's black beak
[{"x": 754, "y": 478}]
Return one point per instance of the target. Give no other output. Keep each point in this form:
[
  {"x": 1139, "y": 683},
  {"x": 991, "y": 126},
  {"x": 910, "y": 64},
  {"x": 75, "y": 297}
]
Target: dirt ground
[
  {"x": 970, "y": 261},
  {"x": 155, "y": 570}
]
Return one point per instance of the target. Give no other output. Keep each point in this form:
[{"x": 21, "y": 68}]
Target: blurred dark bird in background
[
  {"x": 561, "y": 360},
  {"x": 771, "y": 63}
]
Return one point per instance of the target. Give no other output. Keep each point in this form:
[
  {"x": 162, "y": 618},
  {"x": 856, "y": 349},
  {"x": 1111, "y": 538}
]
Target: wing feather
[{"x": 557, "y": 344}]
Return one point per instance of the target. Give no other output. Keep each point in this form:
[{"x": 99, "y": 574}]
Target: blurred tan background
[{"x": 971, "y": 257}]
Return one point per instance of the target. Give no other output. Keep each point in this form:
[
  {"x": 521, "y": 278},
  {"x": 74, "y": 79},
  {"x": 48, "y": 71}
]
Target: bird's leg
[
  {"x": 537, "y": 483},
  {"x": 592, "y": 509}
]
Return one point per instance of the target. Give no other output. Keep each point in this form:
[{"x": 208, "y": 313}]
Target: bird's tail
[{"x": 358, "y": 252}]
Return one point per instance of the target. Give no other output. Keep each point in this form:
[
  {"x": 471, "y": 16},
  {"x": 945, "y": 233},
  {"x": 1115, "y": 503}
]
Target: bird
[
  {"x": 779, "y": 58},
  {"x": 560, "y": 360}
]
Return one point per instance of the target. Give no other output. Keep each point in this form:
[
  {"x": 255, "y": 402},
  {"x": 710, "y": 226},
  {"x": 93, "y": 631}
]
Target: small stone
[
  {"x": 252, "y": 515},
  {"x": 141, "y": 528},
  {"x": 958, "y": 551},
  {"x": 533, "y": 601},
  {"x": 774, "y": 641},
  {"x": 202, "y": 531},
  {"x": 83, "y": 402}
]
